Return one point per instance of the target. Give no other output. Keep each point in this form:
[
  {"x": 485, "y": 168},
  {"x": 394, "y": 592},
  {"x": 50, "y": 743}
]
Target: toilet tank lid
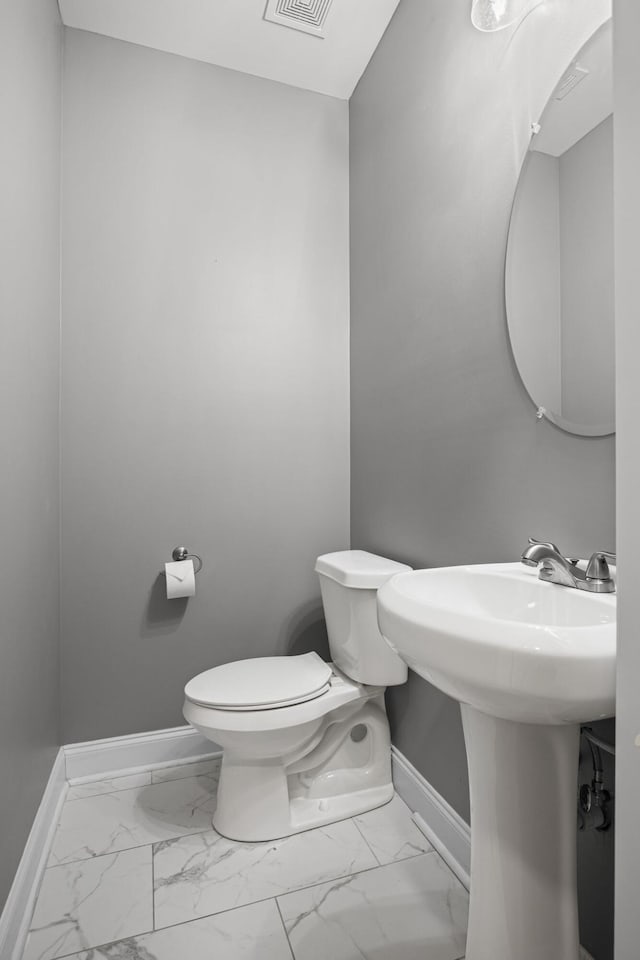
[{"x": 358, "y": 569}]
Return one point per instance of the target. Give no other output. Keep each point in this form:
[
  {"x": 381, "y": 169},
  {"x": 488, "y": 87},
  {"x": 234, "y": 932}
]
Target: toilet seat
[
  {"x": 263, "y": 683},
  {"x": 341, "y": 691}
]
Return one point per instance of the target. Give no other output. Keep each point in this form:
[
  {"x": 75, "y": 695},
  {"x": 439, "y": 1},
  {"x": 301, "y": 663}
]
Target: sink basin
[
  {"x": 498, "y": 638},
  {"x": 529, "y": 661}
]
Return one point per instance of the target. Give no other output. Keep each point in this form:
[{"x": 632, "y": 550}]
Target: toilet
[{"x": 306, "y": 742}]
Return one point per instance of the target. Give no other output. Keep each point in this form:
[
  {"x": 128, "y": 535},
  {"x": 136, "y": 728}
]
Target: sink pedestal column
[{"x": 523, "y": 839}]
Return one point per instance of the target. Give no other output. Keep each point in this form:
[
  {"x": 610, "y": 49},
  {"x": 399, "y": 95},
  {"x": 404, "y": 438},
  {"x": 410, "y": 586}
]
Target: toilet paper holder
[{"x": 181, "y": 553}]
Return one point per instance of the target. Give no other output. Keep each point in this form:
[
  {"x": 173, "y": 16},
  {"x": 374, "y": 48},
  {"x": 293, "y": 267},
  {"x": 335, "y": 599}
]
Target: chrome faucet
[{"x": 554, "y": 568}]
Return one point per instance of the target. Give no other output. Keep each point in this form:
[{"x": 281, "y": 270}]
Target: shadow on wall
[
  {"x": 162, "y": 616},
  {"x": 303, "y": 632},
  {"x": 306, "y": 631}
]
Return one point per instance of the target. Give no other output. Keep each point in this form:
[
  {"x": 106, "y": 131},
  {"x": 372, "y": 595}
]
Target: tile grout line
[
  {"x": 108, "y": 793},
  {"x": 309, "y": 886},
  {"x": 153, "y": 886},
  {"x": 151, "y": 783},
  {"x": 373, "y": 853},
  {"x": 185, "y": 923},
  {"x": 284, "y": 927},
  {"x": 208, "y": 916},
  {"x": 108, "y": 943},
  {"x": 409, "y": 856},
  {"x": 114, "y": 853}
]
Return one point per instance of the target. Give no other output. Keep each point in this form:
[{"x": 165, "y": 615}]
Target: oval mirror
[{"x": 559, "y": 269}]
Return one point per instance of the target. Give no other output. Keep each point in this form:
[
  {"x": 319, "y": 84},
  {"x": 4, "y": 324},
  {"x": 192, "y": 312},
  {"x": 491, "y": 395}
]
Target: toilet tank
[{"x": 349, "y": 582}]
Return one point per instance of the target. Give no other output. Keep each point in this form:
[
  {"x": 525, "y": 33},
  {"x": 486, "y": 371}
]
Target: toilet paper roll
[{"x": 181, "y": 579}]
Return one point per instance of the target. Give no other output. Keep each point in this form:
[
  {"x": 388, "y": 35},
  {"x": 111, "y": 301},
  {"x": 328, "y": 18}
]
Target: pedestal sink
[{"x": 529, "y": 661}]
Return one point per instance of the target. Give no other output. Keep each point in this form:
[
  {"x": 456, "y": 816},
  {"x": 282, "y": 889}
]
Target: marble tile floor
[{"x": 137, "y": 872}]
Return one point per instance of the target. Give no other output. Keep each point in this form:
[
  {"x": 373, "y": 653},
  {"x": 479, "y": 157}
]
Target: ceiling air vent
[
  {"x": 306, "y": 15},
  {"x": 570, "y": 80}
]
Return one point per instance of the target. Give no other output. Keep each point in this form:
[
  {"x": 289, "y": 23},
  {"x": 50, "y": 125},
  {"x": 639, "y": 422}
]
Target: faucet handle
[
  {"x": 542, "y": 543},
  {"x": 598, "y": 568}
]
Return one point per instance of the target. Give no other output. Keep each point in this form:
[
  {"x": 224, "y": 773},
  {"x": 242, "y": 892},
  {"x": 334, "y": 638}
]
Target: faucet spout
[
  {"x": 554, "y": 568},
  {"x": 538, "y": 551}
]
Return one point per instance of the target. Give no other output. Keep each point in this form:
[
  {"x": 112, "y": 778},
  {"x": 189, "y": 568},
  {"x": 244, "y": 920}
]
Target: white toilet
[{"x": 306, "y": 742}]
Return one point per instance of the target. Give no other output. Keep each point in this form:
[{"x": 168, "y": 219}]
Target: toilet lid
[{"x": 262, "y": 683}]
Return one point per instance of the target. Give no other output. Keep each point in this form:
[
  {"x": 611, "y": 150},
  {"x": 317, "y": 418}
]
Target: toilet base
[
  {"x": 344, "y": 771},
  {"x": 305, "y": 815}
]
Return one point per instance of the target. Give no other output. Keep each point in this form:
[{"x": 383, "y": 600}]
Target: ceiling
[
  {"x": 234, "y": 34},
  {"x": 566, "y": 121}
]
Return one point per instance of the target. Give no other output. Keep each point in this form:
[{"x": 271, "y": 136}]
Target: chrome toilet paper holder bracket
[{"x": 181, "y": 553}]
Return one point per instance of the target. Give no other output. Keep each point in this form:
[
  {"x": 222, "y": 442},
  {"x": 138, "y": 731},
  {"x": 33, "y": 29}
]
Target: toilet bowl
[{"x": 305, "y": 742}]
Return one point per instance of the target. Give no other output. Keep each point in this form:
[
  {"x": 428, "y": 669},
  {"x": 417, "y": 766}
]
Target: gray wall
[
  {"x": 449, "y": 464},
  {"x": 626, "y": 149},
  {"x": 30, "y": 81},
  {"x": 205, "y": 372}
]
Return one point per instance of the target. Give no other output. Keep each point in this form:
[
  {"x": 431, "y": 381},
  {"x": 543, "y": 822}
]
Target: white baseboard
[
  {"x": 443, "y": 827},
  {"x": 16, "y": 916},
  {"x": 117, "y": 755}
]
